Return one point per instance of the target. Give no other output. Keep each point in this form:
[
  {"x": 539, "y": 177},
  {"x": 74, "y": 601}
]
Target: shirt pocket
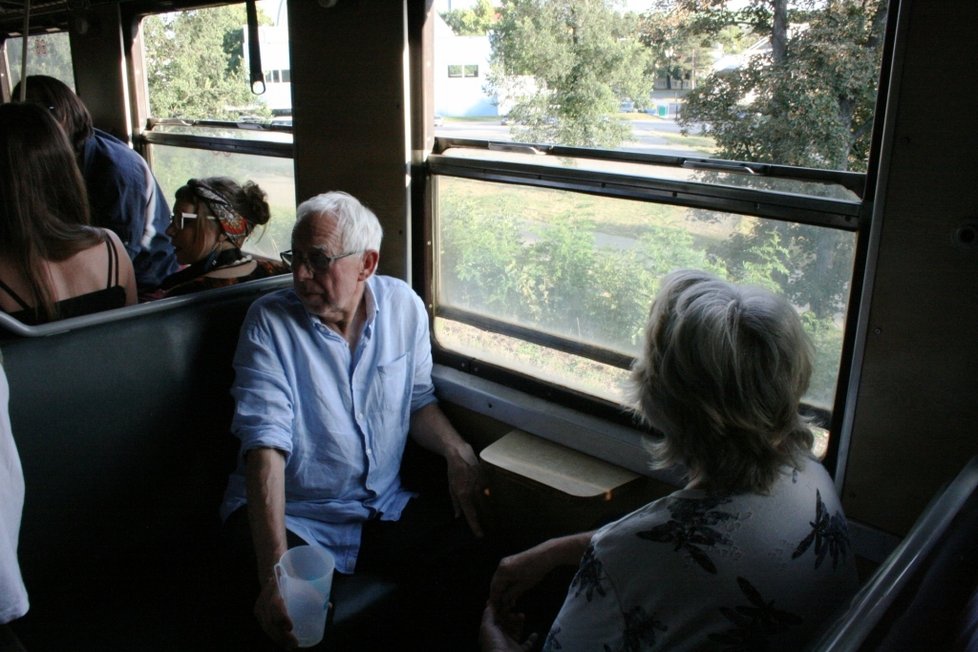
[{"x": 391, "y": 393}]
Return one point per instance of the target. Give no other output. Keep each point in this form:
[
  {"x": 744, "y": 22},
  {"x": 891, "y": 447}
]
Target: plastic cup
[{"x": 305, "y": 578}]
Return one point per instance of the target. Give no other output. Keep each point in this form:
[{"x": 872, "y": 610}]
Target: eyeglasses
[
  {"x": 315, "y": 259},
  {"x": 178, "y": 219}
]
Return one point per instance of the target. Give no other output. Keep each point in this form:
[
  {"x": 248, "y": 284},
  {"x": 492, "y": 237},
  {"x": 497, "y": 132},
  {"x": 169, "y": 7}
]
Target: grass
[{"x": 619, "y": 217}]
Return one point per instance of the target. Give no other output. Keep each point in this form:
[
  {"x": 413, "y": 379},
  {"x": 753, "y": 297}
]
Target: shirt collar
[{"x": 369, "y": 295}]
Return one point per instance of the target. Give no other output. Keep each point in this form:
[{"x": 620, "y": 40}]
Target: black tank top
[{"x": 111, "y": 296}]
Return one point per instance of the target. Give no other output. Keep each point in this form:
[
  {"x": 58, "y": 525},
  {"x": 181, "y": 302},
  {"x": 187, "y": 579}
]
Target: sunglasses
[
  {"x": 314, "y": 259},
  {"x": 178, "y": 219}
]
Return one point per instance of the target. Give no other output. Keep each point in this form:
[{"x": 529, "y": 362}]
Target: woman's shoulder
[
  {"x": 805, "y": 482},
  {"x": 108, "y": 235},
  {"x": 265, "y": 267},
  {"x": 93, "y": 256}
]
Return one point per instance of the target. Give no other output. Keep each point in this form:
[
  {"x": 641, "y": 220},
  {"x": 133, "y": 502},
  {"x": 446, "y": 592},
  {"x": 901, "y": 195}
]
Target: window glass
[
  {"x": 47, "y": 54},
  {"x": 197, "y": 63},
  {"x": 543, "y": 266},
  {"x": 584, "y": 269},
  {"x": 197, "y": 69},
  {"x": 173, "y": 166},
  {"x": 676, "y": 77}
]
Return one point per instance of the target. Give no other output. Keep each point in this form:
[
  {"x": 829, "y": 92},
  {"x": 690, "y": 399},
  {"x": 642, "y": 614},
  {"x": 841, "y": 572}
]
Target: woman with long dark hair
[
  {"x": 123, "y": 195},
  {"x": 53, "y": 263}
]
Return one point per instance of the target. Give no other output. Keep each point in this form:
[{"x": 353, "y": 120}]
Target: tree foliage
[
  {"x": 808, "y": 100},
  {"x": 555, "y": 275},
  {"x": 680, "y": 50},
  {"x": 195, "y": 64},
  {"x": 583, "y": 58},
  {"x": 475, "y": 21}
]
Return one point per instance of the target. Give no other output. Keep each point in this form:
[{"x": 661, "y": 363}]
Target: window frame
[
  {"x": 847, "y": 215},
  {"x": 217, "y": 143}
]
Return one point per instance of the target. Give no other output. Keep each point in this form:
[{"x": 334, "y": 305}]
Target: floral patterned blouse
[{"x": 695, "y": 571}]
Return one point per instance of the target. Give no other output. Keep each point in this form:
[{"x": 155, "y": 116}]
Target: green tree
[
  {"x": 480, "y": 246},
  {"x": 195, "y": 66},
  {"x": 515, "y": 256},
  {"x": 583, "y": 58},
  {"x": 475, "y": 21},
  {"x": 808, "y": 101},
  {"x": 681, "y": 48}
]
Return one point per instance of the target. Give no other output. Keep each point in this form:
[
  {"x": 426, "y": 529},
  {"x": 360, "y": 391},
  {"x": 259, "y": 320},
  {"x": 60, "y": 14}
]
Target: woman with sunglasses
[
  {"x": 212, "y": 218},
  {"x": 53, "y": 263}
]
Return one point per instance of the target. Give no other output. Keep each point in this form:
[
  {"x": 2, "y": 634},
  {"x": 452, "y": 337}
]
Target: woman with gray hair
[{"x": 753, "y": 553}]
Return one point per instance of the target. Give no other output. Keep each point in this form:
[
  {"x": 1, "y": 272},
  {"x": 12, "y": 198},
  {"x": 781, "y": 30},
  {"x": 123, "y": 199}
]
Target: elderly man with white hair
[{"x": 331, "y": 377}]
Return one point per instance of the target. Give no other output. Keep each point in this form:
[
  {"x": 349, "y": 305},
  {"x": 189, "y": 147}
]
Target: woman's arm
[{"x": 518, "y": 573}]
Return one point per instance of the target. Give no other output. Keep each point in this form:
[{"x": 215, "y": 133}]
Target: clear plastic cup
[{"x": 305, "y": 578}]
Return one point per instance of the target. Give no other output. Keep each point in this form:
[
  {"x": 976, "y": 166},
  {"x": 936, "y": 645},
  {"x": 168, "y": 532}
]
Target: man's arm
[
  {"x": 432, "y": 430},
  {"x": 265, "y": 473},
  {"x": 265, "y": 478}
]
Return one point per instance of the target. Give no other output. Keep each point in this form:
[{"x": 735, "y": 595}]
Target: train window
[
  {"x": 174, "y": 165},
  {"x": 197, "y": 64},
  {"x": 786, "y": 82},
  {"x": 47, "y": 54},
  {"x": 610, "y": 146},
  {"x": 557, "y": 283},
  {"x": 205, "y": 119}
]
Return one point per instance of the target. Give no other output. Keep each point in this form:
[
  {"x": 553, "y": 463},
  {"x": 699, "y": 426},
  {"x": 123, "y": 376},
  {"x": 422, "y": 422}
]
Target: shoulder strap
[
  {"x": 13, "y": 295},
  {"x": 113, "y": 263}
]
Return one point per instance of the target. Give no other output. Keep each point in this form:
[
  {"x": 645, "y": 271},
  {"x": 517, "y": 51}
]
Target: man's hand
[
  {"x": 466, "y": 485},
  {"x": 433, "y": 431},
  {"x": 273, "y": 617}
]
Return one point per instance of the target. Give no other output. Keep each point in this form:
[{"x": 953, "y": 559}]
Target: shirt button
[{"x": 360, "y": 417}]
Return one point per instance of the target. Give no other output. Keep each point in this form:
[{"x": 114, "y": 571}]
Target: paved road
[{"x": 649, "y": 135}]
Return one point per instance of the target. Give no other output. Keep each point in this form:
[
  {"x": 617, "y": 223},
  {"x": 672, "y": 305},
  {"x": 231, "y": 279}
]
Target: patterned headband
[{"x": 231, "y": 222}]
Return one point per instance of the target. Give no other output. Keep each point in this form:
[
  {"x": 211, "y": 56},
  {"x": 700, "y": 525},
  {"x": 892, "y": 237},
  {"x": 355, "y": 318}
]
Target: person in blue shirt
[
  {"x": 123, "y": 194},
  {"x": 331, "y": 376}
]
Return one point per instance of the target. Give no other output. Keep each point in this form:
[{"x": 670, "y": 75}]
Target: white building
[
  {"x": 461, "y": 65},
  {"x": 275, "y": 63}
]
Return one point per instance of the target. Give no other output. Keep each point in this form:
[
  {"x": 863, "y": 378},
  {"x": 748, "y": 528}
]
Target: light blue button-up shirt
[{"x": 340, "y": 416}]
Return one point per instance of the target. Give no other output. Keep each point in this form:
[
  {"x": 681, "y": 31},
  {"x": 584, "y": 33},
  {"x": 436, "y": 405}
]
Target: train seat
[
  {"x": 126, "y": 451},
  {"x": 925, "y": 594}
]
